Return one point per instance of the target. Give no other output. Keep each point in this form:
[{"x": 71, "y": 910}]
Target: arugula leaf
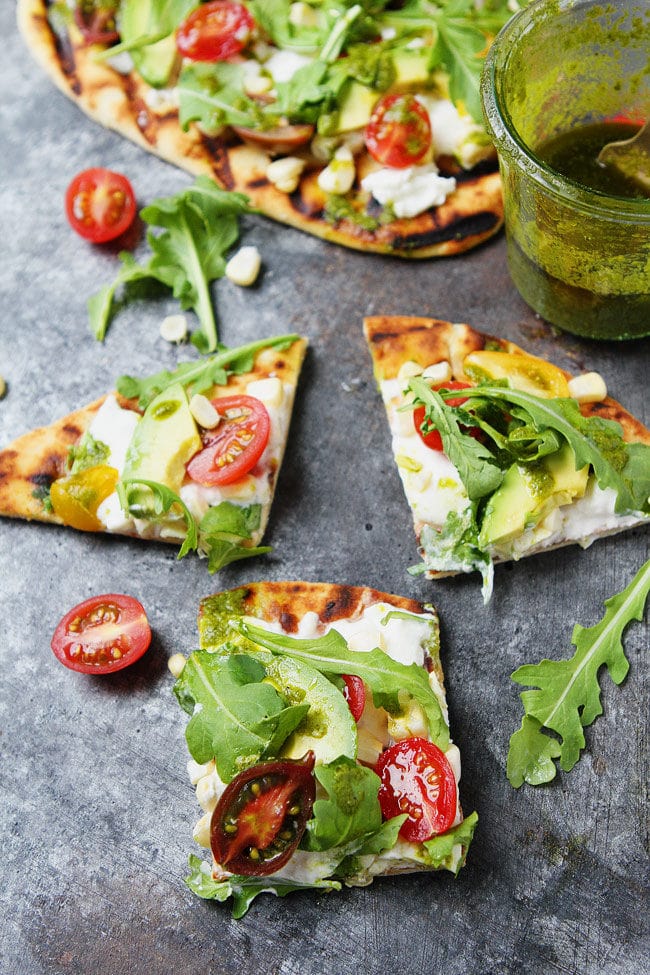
[
  {"x": 389, "y": 680},
  {"x": 351, "y": 809},
  {"x": 439, "y": 848},
  {"x": 458, "y": 47},
  {"x": 154, "y": 504},
  {"x": 236, "y": 716},
  {"x": 566, "y": 698},
  {"x": 199, "y": 376},
  {"x": 221, "y": 530},
  {"x": 87, "y": 453},
  {"x": 213, "y": 95},
  {"x": 197, "y": 226},
  {"x": 244, "y": 890},
  {"x": 455, "y": 548}
]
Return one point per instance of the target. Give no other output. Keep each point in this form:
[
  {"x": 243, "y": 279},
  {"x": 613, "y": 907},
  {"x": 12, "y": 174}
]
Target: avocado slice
[
  {"x": 528, "y": 492},
  {"x": 356, "y": 107},
  {"x": 328, "y": 729},
  {"x": 138, "y": 19},
  {"x": 412, "y": 67},
  {"x": 164, "y": 440}
]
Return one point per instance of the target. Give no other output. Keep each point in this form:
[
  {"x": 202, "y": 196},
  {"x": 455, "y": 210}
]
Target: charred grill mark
[
  {"x": 218, "y": 152},
  {"x": 288, "y": 622},
  {"x": 72, "y": 430},
  {"x": 339, "y": 607},
  {"x": 380, "y": 337},
  {"x": 258, "y": 184},
  {"x": 475, "y": 225},
  {"x": 42, "y": 480},
  {"x": 63, "y": 47},
  {"x": 305, "y": 207}
]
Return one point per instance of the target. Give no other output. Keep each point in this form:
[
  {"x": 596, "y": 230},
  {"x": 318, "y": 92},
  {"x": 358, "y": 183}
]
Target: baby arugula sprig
[
  {"x": 194, "y": 229},
  {"x": 565, "y": 697}
]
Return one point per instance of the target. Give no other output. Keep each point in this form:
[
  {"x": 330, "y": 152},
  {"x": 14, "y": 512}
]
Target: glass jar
[{"x": 579, "y": 257}]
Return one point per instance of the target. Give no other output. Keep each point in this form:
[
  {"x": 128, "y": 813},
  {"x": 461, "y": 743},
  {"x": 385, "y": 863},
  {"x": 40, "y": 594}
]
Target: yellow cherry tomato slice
[
  {"x": 524, "y": 372},
  {"x": 76, "y": 498}
]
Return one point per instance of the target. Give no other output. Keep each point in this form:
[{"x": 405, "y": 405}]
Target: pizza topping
[
  {"x": 100, "y": 204},
  {"x": 429, "y": 435},
  {"x": 96, "y": 20},
  {"x": 215, "y": 31},
  {"x": 285, "y": 173},
  {"x": 354, "y": 692},
  {"x": 261, "y": 816},
  {"x": 398, "y": 133},
  {"x": 417, "y": 779},
  {"x": 409, "y": 191},
  {"x": 340, "y": 174},
  {"x": 588, "y": 388},
  {"x": 235, "y": 447},
  {"x": 102, "y": 635},
  {"x": 76, "y": 498}
]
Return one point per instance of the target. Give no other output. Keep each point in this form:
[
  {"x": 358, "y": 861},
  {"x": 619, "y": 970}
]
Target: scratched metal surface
[{"x": 97, "y": 812}]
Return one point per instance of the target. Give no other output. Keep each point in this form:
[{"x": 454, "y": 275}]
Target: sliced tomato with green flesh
[
  {"x": 76, "y": 498},
  {"x": 96, "y": 21},
  {"x": 433, "y": 439},
  {"x": 260, "y": 818},
  {"x": 102, "y": 635},
  {"x": 354, "y": 693},
  {"x": 100, "y": 204},
  {"x": 417, "y": 779},
  {"x": 215, "y": 31},
  {"x": 233, "y": 447},
  {"x": 398, "y": 133}
]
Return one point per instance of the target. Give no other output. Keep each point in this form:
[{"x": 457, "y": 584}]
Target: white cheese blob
[
  {"x": 409, "y": 191},
  {"x": 282, "y": 65},
  {"x": 455, "y": 134},
  {"x": 114, "y": 427}
]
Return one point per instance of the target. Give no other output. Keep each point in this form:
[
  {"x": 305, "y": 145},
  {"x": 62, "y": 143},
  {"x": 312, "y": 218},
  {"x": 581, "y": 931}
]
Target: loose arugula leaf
[
  {"x": 199, "y": 376},
  {"x": 385, "y": 677},
  {"x": 566, "y": 698},
  {"x": 155, "y": 503},
  {"x": 198, "y": 226},
  {"x": 440, "y": 848},
  {"x": 235, "y": 714},
  {"x": 474, "y": 462},
  {"x": 351, "y": 809},
  {"x": 221, "y": 530},
  {"x": 244, "y": 890}
]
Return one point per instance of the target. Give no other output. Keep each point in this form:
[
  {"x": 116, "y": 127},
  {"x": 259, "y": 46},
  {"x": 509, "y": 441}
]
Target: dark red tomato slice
[
  {"x": 417, "y": 779},
  {"x": 215, "y": 31},
  {"x": 399, "y": 131},
  {"x": 354, "y": 693},
  {"x": 96, "y": 21},
  {"x": 233, "y": 448},
  {"x": 102, "y": 635},
  {"x": 100, "y": 205},
  {"x": 261, "y": 816},
  {"x": 433, "y": 438}
]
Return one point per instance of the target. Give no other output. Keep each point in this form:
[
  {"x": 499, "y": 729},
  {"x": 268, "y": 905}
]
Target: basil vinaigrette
[{"x": 574, "y": 154}]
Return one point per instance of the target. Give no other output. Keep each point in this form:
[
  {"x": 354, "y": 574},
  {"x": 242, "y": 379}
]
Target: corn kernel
[
  {"x": 175, "y": 664},
  {"x": 285, "y": 173},
  {"x": 244, "y": 266},
  {"x": 588, "y": 388},
  {"x": 204, "y": 412}
]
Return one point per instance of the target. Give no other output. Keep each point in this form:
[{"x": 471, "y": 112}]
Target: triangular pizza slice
[
  {"x": 501, "y": 453},
  {"x": 189, "y": 457},
  {"x": 319, "y": 740}
]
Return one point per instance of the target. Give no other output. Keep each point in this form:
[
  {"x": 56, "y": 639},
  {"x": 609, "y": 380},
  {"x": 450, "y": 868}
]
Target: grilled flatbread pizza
[
  {"x": 363, "y": 128},
  {"x": 190, "y": 457},
  {"x": 502, "y": 454},
  {"x": 319, "y": 741}
]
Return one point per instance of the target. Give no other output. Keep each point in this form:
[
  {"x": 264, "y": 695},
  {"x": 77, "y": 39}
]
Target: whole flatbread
[
  {"x": 470, "y": 215},
  {"x": 30, "y": 464}
]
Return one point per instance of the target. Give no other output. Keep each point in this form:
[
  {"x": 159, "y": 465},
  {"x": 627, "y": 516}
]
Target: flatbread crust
[
  {"x": 394, "y": 340},
  {"x": 471, "y": 215},
  {"x": 33, "y": 461},
  {"x": 286, "y": 603}
]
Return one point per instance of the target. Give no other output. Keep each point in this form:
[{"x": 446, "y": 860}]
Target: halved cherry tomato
[
  {"x": 399, "y": 131},
  {"x": 215, "y": 31},
  {"x": 100, "y": 204},
  {"x": 233, "y": 447},
  {"x": 417, "y": 779},
  {"x": 102, "y": 635},
  {"x": 261, "y": 816},
  {"x": 76, "y": 498},
  {"x": 280, "y": 140},
  {"x": 433, "y": 438},
  {"x": 354, "y": 693},
  {"x": 96, "y": 21}
]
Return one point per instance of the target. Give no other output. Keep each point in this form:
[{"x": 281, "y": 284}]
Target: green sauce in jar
[{"x": 575, "y": 154}]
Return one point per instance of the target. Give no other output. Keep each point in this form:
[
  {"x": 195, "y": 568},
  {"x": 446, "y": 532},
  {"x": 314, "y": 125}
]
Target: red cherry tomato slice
[
  {"x": 399, "y": 131},
  {"x": 215, "y": 31},
  {"x": 100, "y": 205},
  {"x": 261, "y": 816},
  {"x": 233, "y": 448},
  {"x": 433, "y": 438},
  {"x": 354, "y": 693},
  {"x": 96, "y": 21},
  {"x": 102, "y": 635},
  {"x": 417, "y": 779}
]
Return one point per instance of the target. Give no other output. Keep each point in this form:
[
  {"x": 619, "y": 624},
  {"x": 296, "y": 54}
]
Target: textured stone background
[{"x": 96, "y": 808}]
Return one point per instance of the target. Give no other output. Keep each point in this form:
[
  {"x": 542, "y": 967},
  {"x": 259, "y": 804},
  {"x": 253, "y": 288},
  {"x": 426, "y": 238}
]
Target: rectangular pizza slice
[
  {"x": 319, "y": 741},
  {"x": 189, "y": 457},
  {"x": 502, "y": 454}
]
